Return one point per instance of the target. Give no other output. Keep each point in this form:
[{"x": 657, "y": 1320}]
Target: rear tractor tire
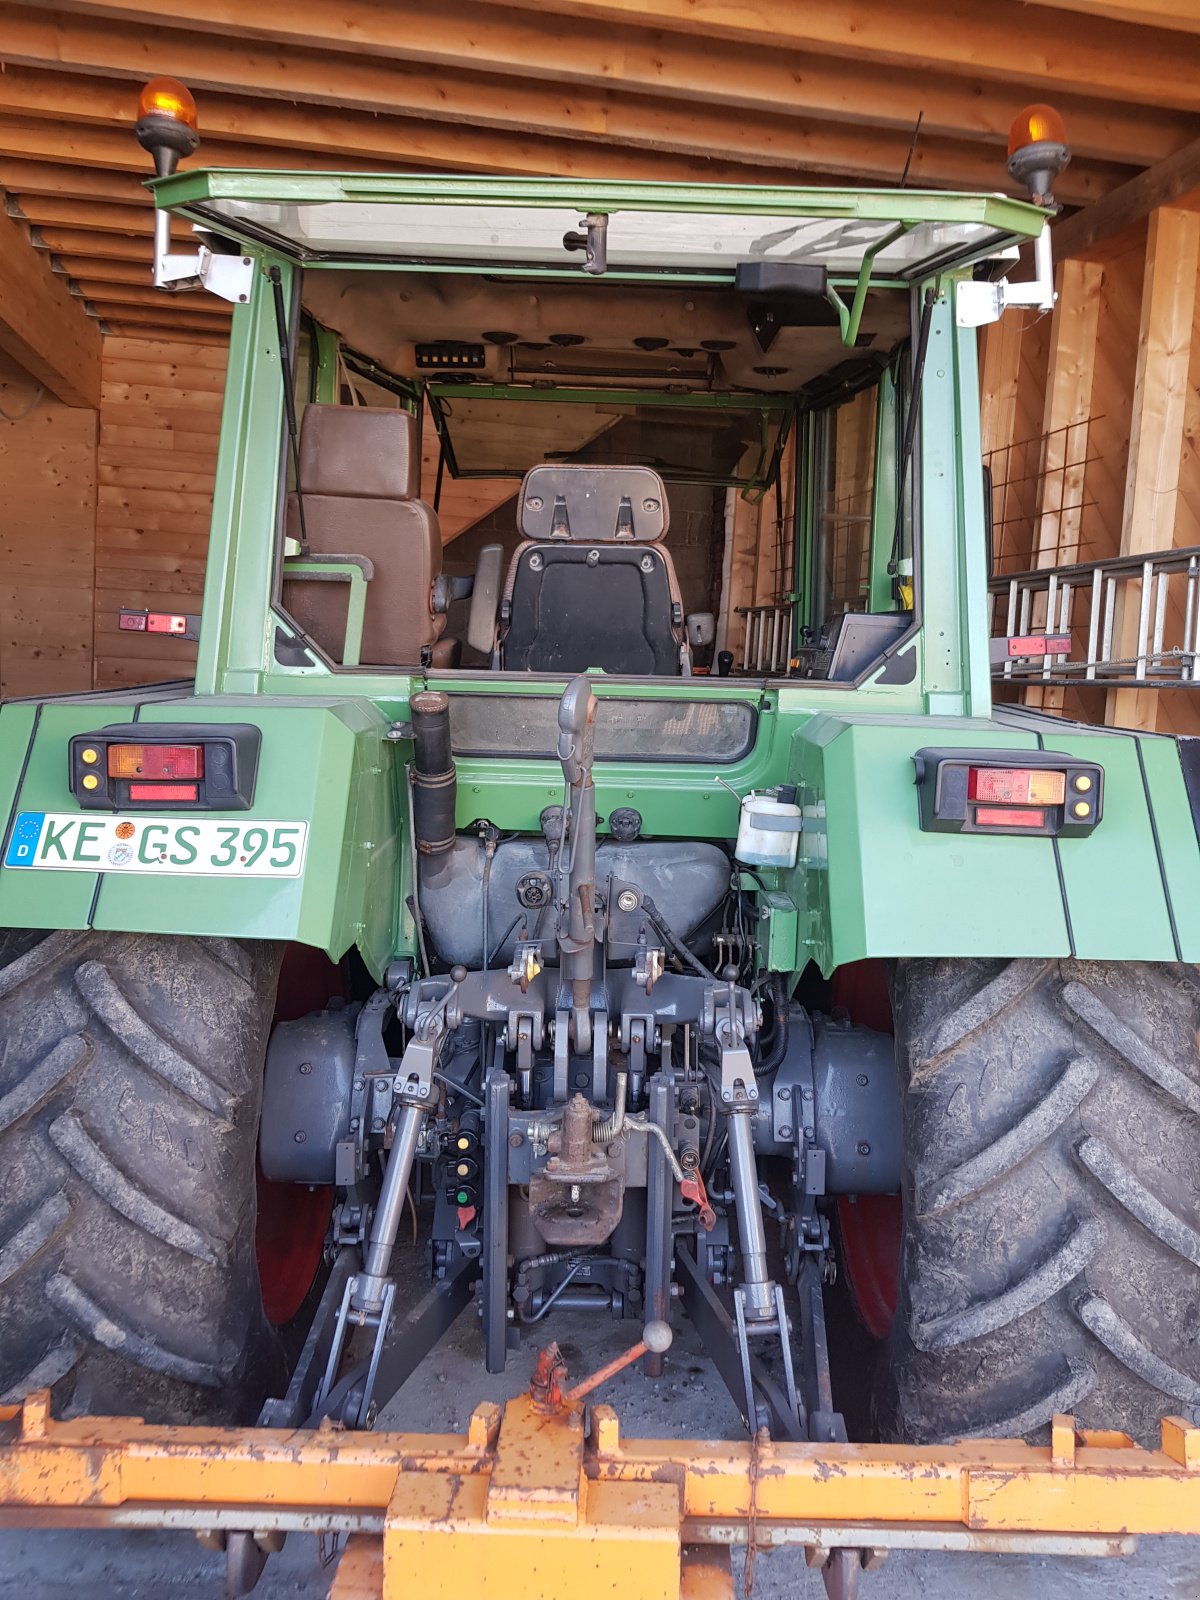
[
  {"x": 1051, "y": 1250},
  {"x": 130, "y": 1085}
]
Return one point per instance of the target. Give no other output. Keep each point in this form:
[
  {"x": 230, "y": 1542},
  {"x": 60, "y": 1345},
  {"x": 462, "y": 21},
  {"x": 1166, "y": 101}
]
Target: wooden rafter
[
  {"x": 1169, "y": 180},
  {"x": 42, "y": 327},
  {"x": 1041, "y": 53},
  {"x": 1156, "y": 435},
  {"x": 363, "y": 50}
]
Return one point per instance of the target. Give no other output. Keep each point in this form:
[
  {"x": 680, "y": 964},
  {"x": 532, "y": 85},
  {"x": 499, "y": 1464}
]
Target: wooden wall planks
[
  {"x": 160, "y": 412},
  {"x": 48, "y": 501}
]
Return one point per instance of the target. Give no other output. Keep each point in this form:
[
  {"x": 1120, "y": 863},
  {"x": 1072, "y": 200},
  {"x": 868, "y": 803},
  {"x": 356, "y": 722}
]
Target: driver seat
[{"x": 590, "y": 585}]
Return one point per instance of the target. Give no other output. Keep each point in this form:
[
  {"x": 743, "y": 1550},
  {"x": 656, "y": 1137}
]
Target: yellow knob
[
  {"x": 1081, "y": 808},
  {"x": 1083, "y": 783},
  {"x": 91, "y": 781},
  {"x": 89, "y": 757}
]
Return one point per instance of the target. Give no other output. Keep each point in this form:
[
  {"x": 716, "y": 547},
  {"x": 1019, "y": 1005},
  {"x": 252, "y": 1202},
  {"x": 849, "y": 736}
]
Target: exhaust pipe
[{"x": 434, "y": 780}]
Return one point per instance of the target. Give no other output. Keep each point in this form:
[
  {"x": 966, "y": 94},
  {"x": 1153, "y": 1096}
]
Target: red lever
[{"x": 692, "y": 1188}]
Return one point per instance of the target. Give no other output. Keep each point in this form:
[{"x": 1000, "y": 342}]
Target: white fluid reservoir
[{"x": 769, "y": 828}]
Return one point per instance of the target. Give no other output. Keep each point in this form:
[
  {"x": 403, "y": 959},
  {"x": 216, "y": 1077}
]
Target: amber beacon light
[
  {"x": 166, "y": 123},
  {"x": 1038, "y": 151}
]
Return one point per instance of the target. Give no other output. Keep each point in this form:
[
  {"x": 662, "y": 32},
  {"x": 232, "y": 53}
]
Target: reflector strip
[
  {"x": 1009, "y": 817},
  {"x": 164, "y": 791},
  {"x": 1040, "y": 644}
]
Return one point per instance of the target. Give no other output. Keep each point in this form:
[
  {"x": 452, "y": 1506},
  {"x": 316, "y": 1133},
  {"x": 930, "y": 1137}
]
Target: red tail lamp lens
[
  {"x": 1016, "y": 786},
  {"x": 1009, "y": 817},
  {"x": 1036, "y": 125},
  {"x": 167, "y": 97},
  {"x": 156, "y": 761}
]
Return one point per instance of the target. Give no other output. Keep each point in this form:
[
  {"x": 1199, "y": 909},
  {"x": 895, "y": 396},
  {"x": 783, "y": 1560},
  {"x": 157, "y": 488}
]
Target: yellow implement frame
[{"x": 526, "y": 1502}]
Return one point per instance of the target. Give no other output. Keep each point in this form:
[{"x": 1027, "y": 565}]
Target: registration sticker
[{"x": 195, "y": 846}]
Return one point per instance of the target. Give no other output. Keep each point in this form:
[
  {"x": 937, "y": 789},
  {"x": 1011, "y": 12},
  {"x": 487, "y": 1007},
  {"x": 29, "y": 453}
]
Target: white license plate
[{"x": 199, "y": 846}]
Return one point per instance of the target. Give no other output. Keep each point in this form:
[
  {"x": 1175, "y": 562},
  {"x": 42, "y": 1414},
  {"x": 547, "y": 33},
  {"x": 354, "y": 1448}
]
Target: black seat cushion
[{"x": 607, "y": 606}]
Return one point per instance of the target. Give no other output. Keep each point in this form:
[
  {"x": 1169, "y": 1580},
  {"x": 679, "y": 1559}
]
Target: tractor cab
[{"x": 663, "y": 434}]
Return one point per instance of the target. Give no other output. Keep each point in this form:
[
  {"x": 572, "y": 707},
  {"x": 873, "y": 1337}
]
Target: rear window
[{"x": 626, "y": 730}]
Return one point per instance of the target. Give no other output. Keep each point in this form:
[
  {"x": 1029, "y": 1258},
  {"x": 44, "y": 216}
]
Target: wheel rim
[
  {"x": 289, "y": 1235},
  {"x": 870, "y": 1225}
]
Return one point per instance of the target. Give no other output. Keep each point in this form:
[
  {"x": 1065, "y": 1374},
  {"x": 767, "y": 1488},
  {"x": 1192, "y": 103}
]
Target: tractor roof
[{"x": 700, "y": 233}]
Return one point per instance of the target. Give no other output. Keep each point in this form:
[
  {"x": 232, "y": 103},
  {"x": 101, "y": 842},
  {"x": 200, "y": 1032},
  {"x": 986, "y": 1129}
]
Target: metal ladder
[
  {"x": 768, "y": 643},
  {"x": 1096, "y": 600}
]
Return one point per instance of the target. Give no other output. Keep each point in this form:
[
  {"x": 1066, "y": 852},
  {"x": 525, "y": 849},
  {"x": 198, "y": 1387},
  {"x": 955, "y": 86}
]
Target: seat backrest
[
  {"x": 590, "y": 585},
  {"x": 360, "y": 478}
]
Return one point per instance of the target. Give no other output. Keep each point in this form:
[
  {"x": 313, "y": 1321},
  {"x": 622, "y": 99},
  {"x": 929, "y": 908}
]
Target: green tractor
[{"x": 659, "y": 977}]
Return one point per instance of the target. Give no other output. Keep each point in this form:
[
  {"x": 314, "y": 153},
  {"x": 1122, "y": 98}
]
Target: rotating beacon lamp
[
  {"x": 1037, "y": 152},
  {"x": 167, "y": 129}
]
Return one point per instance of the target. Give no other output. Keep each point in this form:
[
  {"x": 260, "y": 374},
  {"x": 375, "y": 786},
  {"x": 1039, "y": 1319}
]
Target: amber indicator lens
[
  {"x": 1016, "y": 786},
  {"x": 167, "y": 97},
  {"x": 156, "y": 761},
  {"x": 1037, "y": 124}
]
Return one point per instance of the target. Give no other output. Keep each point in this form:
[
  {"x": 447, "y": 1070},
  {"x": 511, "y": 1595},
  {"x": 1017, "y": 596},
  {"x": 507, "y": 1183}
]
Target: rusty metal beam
[{"x": 524, "y": 1491}]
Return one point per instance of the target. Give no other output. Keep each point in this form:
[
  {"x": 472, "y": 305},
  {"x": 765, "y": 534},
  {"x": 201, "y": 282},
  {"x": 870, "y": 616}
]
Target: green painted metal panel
[
  {"x": 16, "y": 727},
  {"x": 233, "y": 649},
  {"x": 908, "y": 206},
  {"x": 875, "y": 885},
  {"x": 1177, "y": 839},
  {"x": 1113, "y": 883},
  {"x": 329, "y": 764},
  {"x": 32, "y": 899}
]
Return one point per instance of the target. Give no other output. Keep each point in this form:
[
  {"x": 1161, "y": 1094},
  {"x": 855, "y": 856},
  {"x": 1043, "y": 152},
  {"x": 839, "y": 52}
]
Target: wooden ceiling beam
[
  {"x": 156, "y": 332},
  {"x": 42, "y": 327},
  {"x": 1170, "y": 180},
  {"x": 451, "y": 145},
  {"x": 1003, "y": 40},
  {"x": 47, "y": 138},
  {"x": 63, "y": 178},
  {"x": 85, "y": 241},
  {"x": 198, "y": 303},
  {"x": 96, "y": 268},
  {"x": 93, "y": 216},
  {"x": 363, "y": 54},
  {"x": 799, "y": 149},
  {"x": 1147, "y": 13},
  {"x": 170, "y": 316}
]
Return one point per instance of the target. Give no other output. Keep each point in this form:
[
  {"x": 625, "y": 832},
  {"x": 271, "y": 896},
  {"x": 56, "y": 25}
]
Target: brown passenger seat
[{"x": 360, "y": 472}]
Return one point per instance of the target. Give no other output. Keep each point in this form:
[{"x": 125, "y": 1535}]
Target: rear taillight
[
  {"x": 1016, "y": 786},
  {"x": 997, "y": 791},
  {"x": 177, "y": 624},
  {"x": 156, "y": 761},
  {"x": 185, "y": 766}
]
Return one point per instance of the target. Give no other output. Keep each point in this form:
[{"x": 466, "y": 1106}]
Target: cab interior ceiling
[{"x": 679, "y": 338}]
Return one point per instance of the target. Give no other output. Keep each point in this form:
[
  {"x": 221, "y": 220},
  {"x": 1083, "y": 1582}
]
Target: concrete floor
[{"x": 690, "y": 1399}]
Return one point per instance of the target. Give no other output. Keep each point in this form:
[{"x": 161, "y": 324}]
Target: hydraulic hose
[{"x": 773, "y": 1057}]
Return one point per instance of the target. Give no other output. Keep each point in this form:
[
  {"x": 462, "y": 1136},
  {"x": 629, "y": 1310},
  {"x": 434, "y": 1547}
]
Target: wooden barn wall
[
  {"x": 1063, "y": 396},
  {"x": 47, "y": 522},
  {"x": 160, "y": 412}
]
